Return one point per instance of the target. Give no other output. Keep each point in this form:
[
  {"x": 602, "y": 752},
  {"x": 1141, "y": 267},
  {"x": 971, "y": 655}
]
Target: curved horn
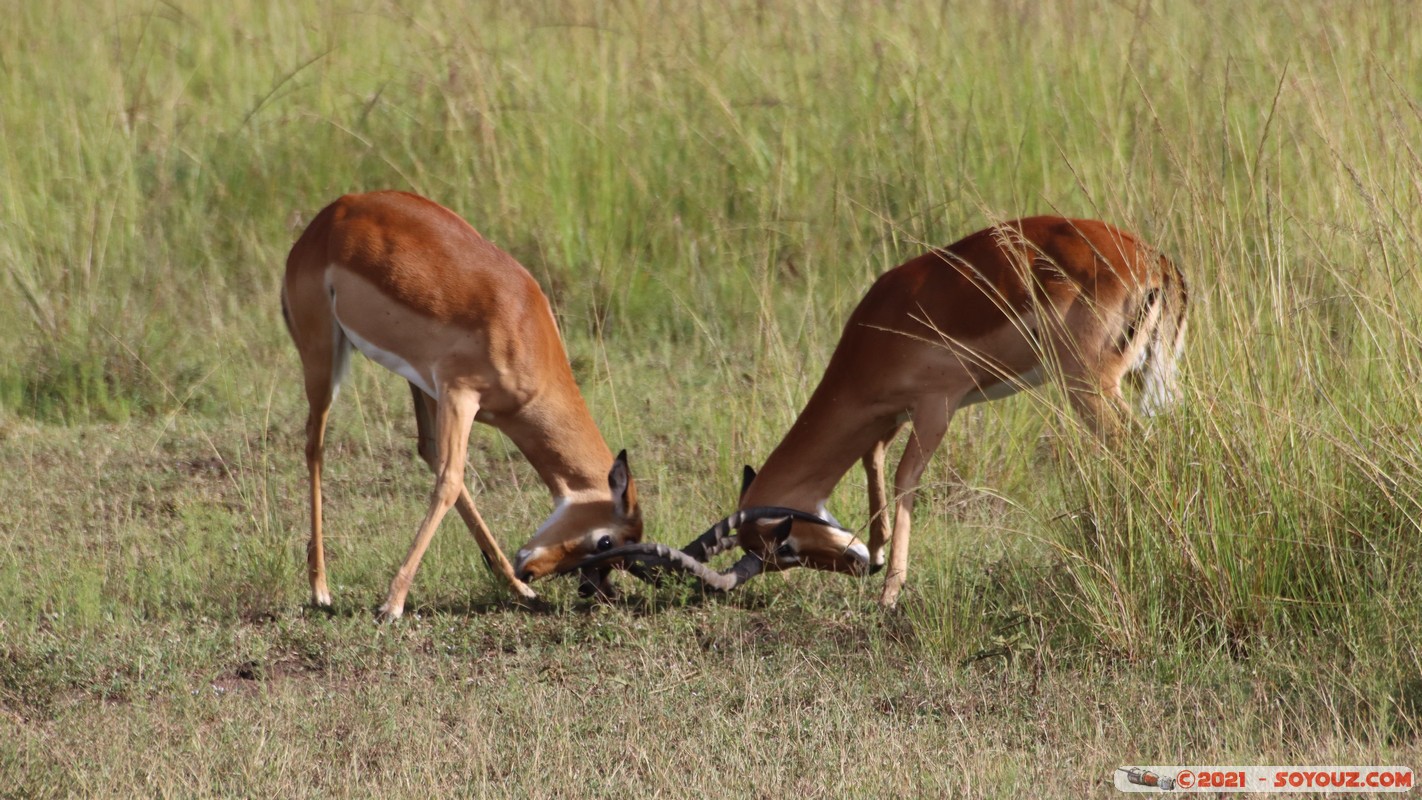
[
  {"x": 718, "y": 538},
  {"x": 659, "y": 555}
]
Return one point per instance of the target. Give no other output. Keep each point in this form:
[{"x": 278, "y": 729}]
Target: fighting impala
[
  {"x": 414, "y": 288},
  {"x": 999, "y": 311}
]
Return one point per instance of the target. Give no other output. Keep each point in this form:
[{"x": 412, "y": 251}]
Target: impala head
[
  {"x": 584, "y": 526},
  {"x": 795, "y": 541},
  {"x": 798, "y": 540}
]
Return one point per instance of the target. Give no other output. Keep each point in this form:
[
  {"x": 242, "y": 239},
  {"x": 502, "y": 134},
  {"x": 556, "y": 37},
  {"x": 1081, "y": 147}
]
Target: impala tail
[{"x": 1158, "y": 335}]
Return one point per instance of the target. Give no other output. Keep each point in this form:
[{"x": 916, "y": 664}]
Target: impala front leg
[
  {"x": 493, "y": 555},
  {"x": 454, "y": 419},
  {"x": 930, "y": 421},
  {"x": 879, "y": 521},
  {"x": 426, "y": 410}
]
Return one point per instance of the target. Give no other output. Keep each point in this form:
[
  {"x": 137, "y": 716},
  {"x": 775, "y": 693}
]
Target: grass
[{"x": 704, "y": 193}]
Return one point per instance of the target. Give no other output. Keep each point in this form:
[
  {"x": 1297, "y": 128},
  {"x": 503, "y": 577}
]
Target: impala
[
  {"x": 412, "y": 286},
  {"x": 997, "y": 312}
]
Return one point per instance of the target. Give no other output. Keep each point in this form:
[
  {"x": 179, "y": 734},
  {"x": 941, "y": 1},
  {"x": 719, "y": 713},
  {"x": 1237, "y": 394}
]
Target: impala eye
[
  {"x": 786, "y": 550},
  {"x": 605, "y": 543}
]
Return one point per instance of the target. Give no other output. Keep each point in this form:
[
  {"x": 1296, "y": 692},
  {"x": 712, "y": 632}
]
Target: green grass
[{"x": 704, "y": 193}]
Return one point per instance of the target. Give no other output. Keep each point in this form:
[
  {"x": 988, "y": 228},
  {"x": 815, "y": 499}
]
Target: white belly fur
[
  {"x": 384, "y": 358},
  {"x": 389, "y": 360}
]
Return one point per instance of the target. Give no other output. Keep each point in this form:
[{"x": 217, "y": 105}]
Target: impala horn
[{"x": 638, "y": 557}]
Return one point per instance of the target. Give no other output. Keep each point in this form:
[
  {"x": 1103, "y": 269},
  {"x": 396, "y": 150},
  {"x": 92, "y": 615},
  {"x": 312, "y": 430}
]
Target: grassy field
[{"x": 704, "y": 192}]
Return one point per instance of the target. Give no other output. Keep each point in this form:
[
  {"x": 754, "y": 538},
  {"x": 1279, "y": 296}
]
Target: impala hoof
[{"x": 889, "y": 600}]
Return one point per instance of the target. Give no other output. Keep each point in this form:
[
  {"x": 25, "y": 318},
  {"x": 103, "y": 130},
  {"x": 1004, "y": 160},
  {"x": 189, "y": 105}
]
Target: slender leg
[
  {"x": 1102, "y": 408},
  {"x": 498, "y": 563},
  {"x": 321, "y": 361},
  {"x": 1093, "y": 386},
  {"x": 325, "y": 357},
  {"x": 454, "y": 419},
  {"x": 315, "y": 550},
  {"x": 879, "y": 523},
  {"x": 930, "y": 421},
  {"x": 426, "y": 410}
]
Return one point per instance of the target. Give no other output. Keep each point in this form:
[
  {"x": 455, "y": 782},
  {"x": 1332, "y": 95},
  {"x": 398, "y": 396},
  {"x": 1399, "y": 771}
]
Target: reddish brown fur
[
  {"x": 412, "y": 282},
  {"x": 1071, "y": 296}
]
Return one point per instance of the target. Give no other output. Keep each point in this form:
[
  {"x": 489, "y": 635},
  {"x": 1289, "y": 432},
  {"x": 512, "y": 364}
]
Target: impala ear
[
  {"x": 747, "y": 475},
  {"x": 781, "y": 532},
  {"x": 624, "y": 491}
]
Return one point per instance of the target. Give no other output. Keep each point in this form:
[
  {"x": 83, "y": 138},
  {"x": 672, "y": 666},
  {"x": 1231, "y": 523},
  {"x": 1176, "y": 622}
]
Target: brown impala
[
  {"x": 412, "y": 286},
  {"x": 990, "y": 315}
]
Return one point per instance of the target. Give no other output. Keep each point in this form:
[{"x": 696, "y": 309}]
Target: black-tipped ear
[
  {"x": 782, "y": 531},
  {"x": 624, "y": 492},
  {"x": 747, "y": 476}
]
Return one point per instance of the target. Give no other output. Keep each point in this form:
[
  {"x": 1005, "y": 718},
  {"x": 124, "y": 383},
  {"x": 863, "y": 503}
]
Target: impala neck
[
  {"x": 828, "y": 438},
  {"x": 557, "y": 435}
]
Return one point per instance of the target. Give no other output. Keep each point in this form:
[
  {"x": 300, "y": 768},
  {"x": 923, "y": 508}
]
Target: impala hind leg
[
  {"x": 453, "y": 419},
  {"x": 425, "y": 412},
  {"x": 1091, "y": 361},
  {"x": 315, "y": 549},
  {"x": 325, "y": 358},
  {"x": 930, "y": 422},
  {"x": 879, "y": 521},
  {"x": 1093, "y": 387},
  {"x": 1101, "y": 407}
]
